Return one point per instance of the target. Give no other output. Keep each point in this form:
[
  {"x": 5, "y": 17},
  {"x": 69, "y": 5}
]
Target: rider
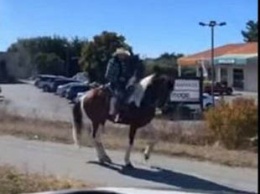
[{"x": 122, "y": 74}]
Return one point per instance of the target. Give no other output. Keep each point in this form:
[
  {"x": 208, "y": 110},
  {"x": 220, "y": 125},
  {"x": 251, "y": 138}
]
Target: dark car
[
  {"x": 47, "y": 85},
  {"x": 219, "y": 88},
  {"x": 40, "y": 79},
  {"x": 54, "y": 85},
  {"x": 72, "y": 92}
]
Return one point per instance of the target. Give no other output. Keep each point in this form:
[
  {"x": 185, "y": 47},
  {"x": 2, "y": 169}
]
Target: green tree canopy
[
  {"x": 49, "y": 63},
  {"x": 67, "y": 50},
  {"x": 251, "y": 32},
  {"x": 166, "y": 61}
]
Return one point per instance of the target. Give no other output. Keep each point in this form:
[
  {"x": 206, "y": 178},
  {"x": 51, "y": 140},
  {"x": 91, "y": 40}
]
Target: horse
[{"x": 151, "y": 92}]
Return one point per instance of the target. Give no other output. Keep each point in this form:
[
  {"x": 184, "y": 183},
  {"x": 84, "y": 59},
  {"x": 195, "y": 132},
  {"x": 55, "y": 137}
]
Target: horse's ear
[{"x": 157, "y": 70}]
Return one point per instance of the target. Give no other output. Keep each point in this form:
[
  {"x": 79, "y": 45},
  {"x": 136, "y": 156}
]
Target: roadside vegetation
[
  {"x": 215, "y": 142},
  {"x": 234, "y": 125},
  {"x": 13, "y": 181}
]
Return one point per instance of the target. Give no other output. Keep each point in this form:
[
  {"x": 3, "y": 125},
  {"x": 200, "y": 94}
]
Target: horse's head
[{"x": 159, "y": 88}]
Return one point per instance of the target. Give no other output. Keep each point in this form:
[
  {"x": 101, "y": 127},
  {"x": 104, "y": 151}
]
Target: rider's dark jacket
[{"x": 118, "y": 73}]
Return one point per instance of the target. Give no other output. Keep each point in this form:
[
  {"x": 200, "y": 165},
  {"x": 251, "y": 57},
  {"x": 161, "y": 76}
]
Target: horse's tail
[{"x": 77, "y": 122}]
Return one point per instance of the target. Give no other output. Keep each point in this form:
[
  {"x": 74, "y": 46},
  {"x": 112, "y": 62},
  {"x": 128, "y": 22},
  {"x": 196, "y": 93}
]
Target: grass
[
  {"x": 192, "y": 141},
  {"x": 13, "y": 181}
]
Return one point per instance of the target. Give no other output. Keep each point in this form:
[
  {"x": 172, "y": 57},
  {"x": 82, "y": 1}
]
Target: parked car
[
  {"x": 81, "y": 76},
  {"x": 219, "y": 88},
  {"x": 79, "y": 94},
  {"x": 41, "y": 79},
  {"x": 63, "y": 89},
  {"x": 72, "y": 92},
  {"x": 171, "y": 107},
  {"x": 54, "y": 85},
  {"x": 46, "y": 85}
]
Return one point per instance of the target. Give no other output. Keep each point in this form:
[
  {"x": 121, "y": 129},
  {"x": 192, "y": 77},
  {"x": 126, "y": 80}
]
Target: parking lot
[{"x": 27, "y": 100}]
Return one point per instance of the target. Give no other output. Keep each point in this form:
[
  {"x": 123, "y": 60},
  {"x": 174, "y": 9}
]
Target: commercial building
[{"x": 237, "y": 64}]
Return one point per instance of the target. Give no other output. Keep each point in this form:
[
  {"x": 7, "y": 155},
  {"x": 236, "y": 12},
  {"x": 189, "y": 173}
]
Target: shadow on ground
[{"x": 170, "y": 178}]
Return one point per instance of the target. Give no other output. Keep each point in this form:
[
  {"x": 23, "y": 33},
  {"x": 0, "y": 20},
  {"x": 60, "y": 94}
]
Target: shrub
[{"x": 233, "y": 124}]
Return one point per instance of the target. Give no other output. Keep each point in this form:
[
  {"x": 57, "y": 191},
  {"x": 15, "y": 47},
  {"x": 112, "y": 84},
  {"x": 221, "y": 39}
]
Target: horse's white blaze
[
  {"x": 85, "y": 122},
  {"x": 75, "y": 136},
  {"x": 127, "y": 154},
  {"x": 140, "y": 89},
  {"x": 85, "y": 119}
]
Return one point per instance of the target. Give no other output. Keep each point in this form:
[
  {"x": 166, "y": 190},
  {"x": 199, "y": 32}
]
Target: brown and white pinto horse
[{"x": 93, "y": 106}]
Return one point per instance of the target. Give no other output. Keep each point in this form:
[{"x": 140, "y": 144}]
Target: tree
[
  {"x": 251, "y": 32},
  {"x": 166, "y": 61},
  {"x": 64, "y": 49},
  {"x": 74, "y": 49},
  {"x": 96, "y": 54},
  {"x": 49, "y": 63}
]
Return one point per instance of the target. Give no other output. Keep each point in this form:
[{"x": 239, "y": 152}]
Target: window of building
[{"x": 238, "y": 78}]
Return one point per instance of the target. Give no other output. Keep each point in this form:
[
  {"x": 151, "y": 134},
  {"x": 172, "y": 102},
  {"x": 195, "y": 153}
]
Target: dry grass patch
[
  {"x": 174, "y": 139},
  {"x": 13, "y": 181}
]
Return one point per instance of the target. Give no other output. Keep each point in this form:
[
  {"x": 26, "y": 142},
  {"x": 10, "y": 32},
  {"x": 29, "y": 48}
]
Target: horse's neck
[
  {"x": 148, "y": 97},
  {"x": 140, "y": 90},
  {"x": 152, "y": 91}
]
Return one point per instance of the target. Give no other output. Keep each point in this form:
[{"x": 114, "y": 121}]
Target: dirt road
[{"x": 161, "y": 171}]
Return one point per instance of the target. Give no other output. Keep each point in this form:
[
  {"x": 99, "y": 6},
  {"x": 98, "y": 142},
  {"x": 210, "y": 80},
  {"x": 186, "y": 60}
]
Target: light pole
[
  {"x": 212, "y": 24},
  {"x": 67, "y": 60}
]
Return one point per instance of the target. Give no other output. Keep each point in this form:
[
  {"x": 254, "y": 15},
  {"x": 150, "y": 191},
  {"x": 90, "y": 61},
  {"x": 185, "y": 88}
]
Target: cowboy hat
[{"x": 121, "y": 51}]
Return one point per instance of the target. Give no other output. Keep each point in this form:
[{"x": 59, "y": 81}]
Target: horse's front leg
[
  {"x": 153, "y": 139},
  {"x": 96, "y": 135},
  {"x": 132, "y": 133}
]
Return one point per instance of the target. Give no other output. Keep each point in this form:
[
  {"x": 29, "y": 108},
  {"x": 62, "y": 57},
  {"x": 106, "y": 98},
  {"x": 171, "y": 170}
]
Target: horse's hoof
[
  {"x": 108, "y": 160},
  {"x": 105, "y": 160},
  {"x": 101, "y": 161},
  {"x": 129, "y": 166},
  {"x": 146, "y": 157}
]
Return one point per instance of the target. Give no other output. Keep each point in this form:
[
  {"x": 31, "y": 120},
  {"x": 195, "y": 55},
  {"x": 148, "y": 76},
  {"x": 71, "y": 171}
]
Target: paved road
[
  {"x": 29, "y": 101},
  {"x": 161, "y": 171}
]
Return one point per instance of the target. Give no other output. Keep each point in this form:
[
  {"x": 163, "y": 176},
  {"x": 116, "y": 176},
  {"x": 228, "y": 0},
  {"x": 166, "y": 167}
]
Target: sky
[{"x": 151, "y": 27}]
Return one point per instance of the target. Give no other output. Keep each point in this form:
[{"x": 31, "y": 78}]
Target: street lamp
[
  {"x": 212, "y": 24},
  {"x": 67, "y": 60}
]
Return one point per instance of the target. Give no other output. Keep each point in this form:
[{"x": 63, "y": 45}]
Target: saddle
[{"x": 122, "y": 103}]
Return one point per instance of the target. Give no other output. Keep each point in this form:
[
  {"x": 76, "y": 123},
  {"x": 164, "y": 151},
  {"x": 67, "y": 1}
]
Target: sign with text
[
  {"x": 186, "y": 90},
  {"x": 226, "y": 61}
]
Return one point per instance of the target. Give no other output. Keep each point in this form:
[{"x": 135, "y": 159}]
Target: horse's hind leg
[
  {"x": 153, "y": 140},
  {"x": 76, "y": 123},
  {"x": 96, "y": 135}
]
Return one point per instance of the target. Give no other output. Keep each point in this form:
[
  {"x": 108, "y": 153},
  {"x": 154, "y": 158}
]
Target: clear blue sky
[{"x": 150, "y": 26}]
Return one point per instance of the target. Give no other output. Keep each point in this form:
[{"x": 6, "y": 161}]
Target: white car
[
  {"x": 79, "y": 94},
  {"x": 207, "y": 102}
]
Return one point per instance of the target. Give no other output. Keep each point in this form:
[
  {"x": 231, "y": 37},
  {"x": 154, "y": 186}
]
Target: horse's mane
[{"x": 146, "y": 81}]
